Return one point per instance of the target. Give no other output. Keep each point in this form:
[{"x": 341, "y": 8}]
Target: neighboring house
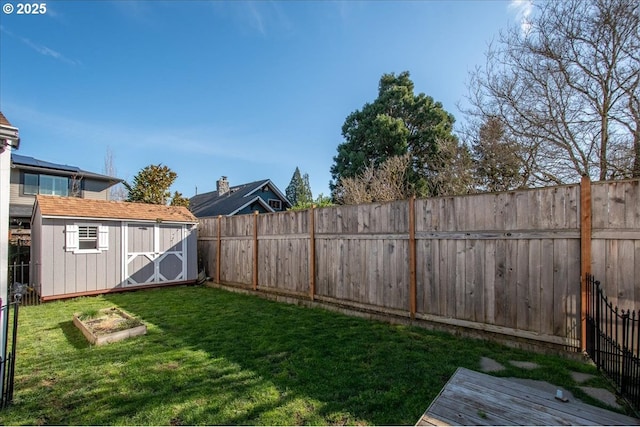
[
  {"x": 87, "y": 247},
  {"x": 30, "y": 177},
  {"x": 262, "y": 196}
]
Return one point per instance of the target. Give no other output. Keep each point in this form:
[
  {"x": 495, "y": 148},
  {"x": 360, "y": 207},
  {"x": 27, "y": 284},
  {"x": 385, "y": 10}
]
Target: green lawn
[{"x": 215, "y": 357}]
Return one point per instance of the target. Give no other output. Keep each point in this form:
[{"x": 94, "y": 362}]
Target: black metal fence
[
  {"x": 20, "y": 283},
  {"x": 613, "y": 341},
  {"x": 9, "y": 316}
]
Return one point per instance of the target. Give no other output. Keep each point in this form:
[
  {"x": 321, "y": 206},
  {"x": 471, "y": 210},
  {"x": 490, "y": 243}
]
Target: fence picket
[{"x": 509, "y": 262}]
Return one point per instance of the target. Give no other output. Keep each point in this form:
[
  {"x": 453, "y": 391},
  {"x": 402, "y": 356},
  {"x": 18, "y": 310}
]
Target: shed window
[
  {"x": 86, "y": 238},
  {"x": 275, "y": 203}
]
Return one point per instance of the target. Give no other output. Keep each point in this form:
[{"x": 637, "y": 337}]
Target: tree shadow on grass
[{"x": 343, "y": 369}]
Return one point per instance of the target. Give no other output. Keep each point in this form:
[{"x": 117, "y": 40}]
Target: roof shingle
[{"x": 88, "y": 208}]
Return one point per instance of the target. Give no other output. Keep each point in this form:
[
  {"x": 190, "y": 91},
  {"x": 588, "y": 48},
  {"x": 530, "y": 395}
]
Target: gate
[
  {"x": 21, "y": 284},
  {"x": 613, "y": 341},
  {"x": 9, "y": 316},
  {"x": 154, "y": 253}
]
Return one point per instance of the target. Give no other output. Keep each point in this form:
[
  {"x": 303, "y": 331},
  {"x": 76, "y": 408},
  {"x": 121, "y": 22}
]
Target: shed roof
[{"x": 54, "y": 206}]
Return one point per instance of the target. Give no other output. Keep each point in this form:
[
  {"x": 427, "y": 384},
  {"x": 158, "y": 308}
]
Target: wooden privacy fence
[{"x": 508, "y": 263}]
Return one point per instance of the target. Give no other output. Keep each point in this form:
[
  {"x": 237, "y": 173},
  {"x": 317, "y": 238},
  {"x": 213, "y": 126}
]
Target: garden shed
[{"x": 87, "y": 247}]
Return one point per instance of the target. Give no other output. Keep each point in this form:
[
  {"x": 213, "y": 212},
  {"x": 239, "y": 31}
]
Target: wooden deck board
[{"x": 474, "y": 398}]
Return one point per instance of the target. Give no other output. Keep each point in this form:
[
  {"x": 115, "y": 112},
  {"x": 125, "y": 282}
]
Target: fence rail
[
  {"x": 613, "y": 341},
  {"x": 510, "y": 263}
]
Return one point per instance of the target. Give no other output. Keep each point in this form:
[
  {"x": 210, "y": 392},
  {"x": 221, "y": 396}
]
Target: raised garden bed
[{"x": 108, "y": 325}]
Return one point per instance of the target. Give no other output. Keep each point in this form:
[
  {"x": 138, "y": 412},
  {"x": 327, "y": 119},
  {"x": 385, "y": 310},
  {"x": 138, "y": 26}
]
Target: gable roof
[
  {"x": 33, "y": 164},
  {"x": 74, "y": 207},
  {"x": 4, "y": 121},
  {"x": 238, "y": 197}
]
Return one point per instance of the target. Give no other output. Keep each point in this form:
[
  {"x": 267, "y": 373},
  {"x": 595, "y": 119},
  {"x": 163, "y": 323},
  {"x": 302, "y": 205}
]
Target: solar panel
[{"x": 30, "y": 161}]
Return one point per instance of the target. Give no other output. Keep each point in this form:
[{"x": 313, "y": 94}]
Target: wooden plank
[
  {"x": 511, "y": 285},
  {"x": 312, "y": 252},
  {"x": 489, "y": 287},
  {"x": 560, "y": 287},
  {"x": 255, "y": 250},
  {"x": 523, "y": 286},
  {"x": 535, "y": 285},
  {"x": 472, "y": 398},
  {"x": 412, "y": 257},
  {"x": 459, "y": 280},
  {"x": 585, "y": 254}
]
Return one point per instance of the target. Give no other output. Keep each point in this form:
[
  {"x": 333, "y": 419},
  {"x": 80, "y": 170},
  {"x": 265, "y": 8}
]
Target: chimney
[{"x": 222, "y": 185}]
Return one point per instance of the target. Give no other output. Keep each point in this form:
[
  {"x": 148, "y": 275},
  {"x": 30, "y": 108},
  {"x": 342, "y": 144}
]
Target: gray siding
[
  {"x": 65, "y": 272},
  {"x": 93, "y": 189}
]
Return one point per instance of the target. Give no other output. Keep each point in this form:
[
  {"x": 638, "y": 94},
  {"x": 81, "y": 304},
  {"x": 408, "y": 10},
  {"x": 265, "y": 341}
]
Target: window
[
  {"x": 30, "y": 183},
  {"x": 275, "y": 204},
  {"x": 46, "y": 184},
  {"x": 86, "y": 238}
]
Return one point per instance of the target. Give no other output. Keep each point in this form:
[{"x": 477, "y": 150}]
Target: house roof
[
  {"x": 30, "y": 163},
  {"x": 4, "y": 121},
  {"x": 54, "y": 206},
  {"x": 238, "y": 197}
]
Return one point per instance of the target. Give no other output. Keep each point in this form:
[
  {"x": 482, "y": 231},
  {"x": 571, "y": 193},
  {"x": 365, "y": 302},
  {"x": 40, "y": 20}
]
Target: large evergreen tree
[
  {"x": 395, "y": 123},
  {"x": 299, "y": 191}
]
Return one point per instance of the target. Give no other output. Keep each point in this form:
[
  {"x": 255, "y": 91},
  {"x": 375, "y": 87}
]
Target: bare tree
[
  {"x": 116, "y": 192},
  {"x": 566, "y": 90},
  {"x": 386, "y": 183}
]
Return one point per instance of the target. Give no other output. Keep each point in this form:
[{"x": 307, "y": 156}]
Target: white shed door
[{"x": 155, "y": 253}]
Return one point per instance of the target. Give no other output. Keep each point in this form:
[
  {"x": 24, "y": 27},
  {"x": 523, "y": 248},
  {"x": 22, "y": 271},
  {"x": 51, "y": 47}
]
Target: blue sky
[{"x": 249, "y": 90}]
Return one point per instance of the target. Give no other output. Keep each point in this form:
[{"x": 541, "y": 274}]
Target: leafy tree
[
  {"x": 151, "y": 185},
  {"x": 567, "y": 88},
  {"x": 179, "y": 200},
  {"x": 397, "y": 122},
  {"x": 498, "y": 160},
  {"x": 299, "y": 191},
  {"x": 321, "y": 201}
]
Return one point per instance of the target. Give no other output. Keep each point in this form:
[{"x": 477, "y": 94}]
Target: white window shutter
[
  {"x": 71, "y": 237},
  {"x": 103, "y": 238}
]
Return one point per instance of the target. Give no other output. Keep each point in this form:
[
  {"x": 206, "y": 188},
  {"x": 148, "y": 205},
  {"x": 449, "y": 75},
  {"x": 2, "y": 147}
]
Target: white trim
[
  {"x": 81, "y": 218},
  {"x": 273, "y": 188},
  {"x": 184, "y": 245},
  {"x": 72, "y": 238},
  {"x": 124, "y": 249},
  {"x": 71, "y": 243},
  {"x": 275, "y": 200},
  {"x": 103, "y": 238},
  {"x": 257, "y": 198}
]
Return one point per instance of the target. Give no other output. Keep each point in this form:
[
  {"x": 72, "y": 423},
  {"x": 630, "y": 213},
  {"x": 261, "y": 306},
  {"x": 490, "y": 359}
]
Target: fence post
[
  {"x": 255, "y": 250},
  {"x": 412, "y": 257},
  {"x": 585, "y": 254},
  {"x": 312, "y": 253},
  {"x": 218, "y": 251}
]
